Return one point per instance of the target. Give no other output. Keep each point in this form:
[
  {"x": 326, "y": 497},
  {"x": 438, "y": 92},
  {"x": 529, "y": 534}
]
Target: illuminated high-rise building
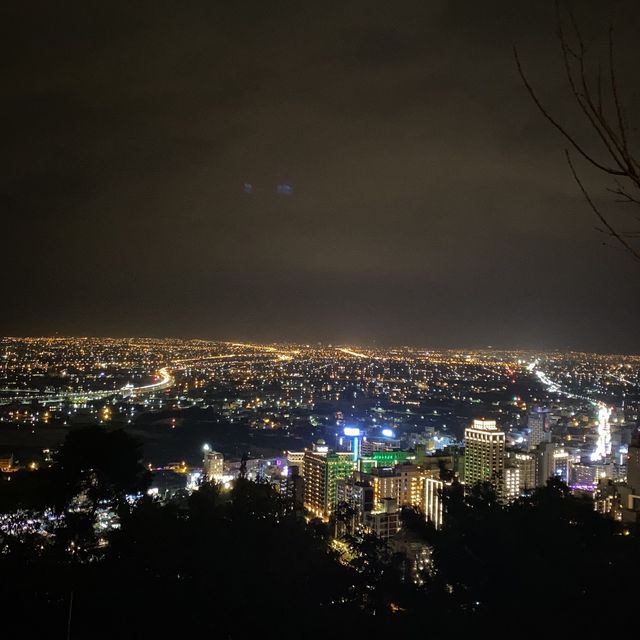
[
  {"x": 412, "y": 479},
  {"x": 553, "y": 461},
  {"x": 433, "y": 511},
  {"x": 527, "y": 468},
  {"x": 539, "y": 424},
  {"x": 321, "y": 471},
  {"x": 385, "y": 484},
  {"x": 484, "y": 453},
  {"x": 511, "y": 483},
  {"x": 404, "y": 483},
  {"x": 212, "y": 465},
  {"x": 603, "y": 446},
  {"x": 633, "y": 464},
  {"x": 295, "y": 459}
]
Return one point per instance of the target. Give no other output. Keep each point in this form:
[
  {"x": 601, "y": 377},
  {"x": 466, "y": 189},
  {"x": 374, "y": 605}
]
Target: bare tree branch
[
  {"x": 583, "y": 98},
  {"x": 625, "y": 196},
  {"x": 574, "y": 143},
  {"x": 602, "y": 107},
  {"x": 612, "y": 231},
  {"x": 614, "y": 90}
]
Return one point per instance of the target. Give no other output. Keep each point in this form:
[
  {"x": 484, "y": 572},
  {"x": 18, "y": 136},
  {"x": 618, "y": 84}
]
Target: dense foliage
[{"x": 240, "y": 563}]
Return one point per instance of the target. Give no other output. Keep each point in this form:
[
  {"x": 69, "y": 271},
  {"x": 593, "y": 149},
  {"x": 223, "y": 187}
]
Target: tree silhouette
[
  {"x": 240, "y": 563},
  {"x": 598, "y": 101},
  {"x": 97, "y": 465},
  {"x": 550, "y": 548}
]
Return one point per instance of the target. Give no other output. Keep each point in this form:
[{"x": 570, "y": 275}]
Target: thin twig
[
  {"x": 558, "y": 126},
  {"x": 601, "y": 217},
  {"x": 614, "y": 90}
]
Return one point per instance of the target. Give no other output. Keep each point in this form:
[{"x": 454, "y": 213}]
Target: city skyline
[
  {"x": 155, "y": 466},
  {"x": 319, "y": 318},
  {"x": 374, "y": 344}
]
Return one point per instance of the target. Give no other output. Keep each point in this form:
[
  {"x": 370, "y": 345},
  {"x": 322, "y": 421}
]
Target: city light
[{"x": 304, "y": 331}]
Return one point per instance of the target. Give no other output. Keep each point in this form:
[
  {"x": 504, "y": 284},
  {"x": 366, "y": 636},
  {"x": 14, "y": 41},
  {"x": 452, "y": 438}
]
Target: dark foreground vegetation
[{"x": 242, "y": 563}]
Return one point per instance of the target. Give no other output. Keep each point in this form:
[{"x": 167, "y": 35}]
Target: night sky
[{"x": 431, "y": 202}]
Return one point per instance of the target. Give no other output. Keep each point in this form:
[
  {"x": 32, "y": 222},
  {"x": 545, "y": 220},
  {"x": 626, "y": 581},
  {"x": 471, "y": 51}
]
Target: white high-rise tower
[{"x": 603, "y": 447}]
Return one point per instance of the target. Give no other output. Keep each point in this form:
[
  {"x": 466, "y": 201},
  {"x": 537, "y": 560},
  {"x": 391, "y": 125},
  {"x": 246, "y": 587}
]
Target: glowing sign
[
  {"x": 352, "y": 431},
  {"x": 388, "y": 433}
]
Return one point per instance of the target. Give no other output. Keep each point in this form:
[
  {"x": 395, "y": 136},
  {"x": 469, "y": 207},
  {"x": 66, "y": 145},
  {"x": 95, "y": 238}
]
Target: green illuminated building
[
  {"x": 321, "y": 474},
  {"x": 384, "y": 459}
]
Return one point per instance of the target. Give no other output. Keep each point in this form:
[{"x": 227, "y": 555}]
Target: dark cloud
[{"x": 431, "y": 201}]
